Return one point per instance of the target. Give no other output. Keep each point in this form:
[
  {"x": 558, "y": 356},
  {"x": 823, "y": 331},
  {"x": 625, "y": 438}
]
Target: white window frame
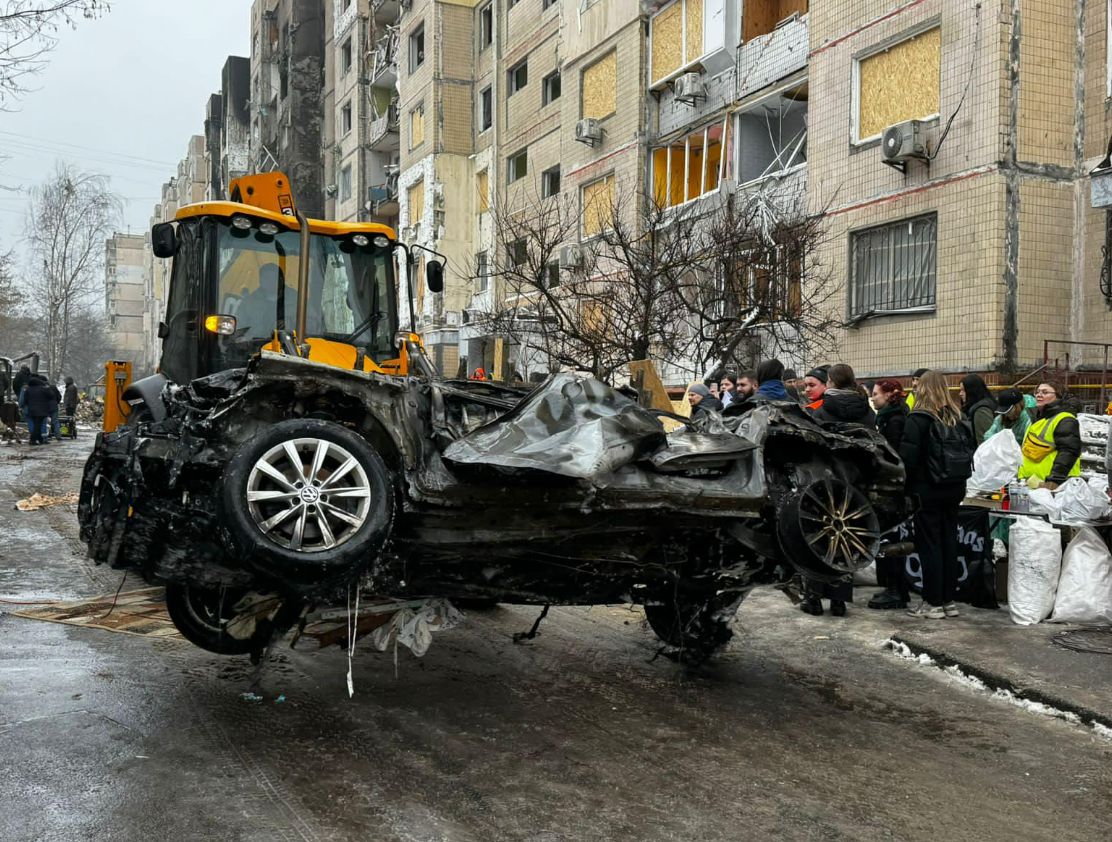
[
  {"x": 736, "y": 144},
  {"x": 485, "y": 92},
  {"x": 883, "y": 47},
  {"x": 347, "y": 182},
  {"x": 488, "y": 11},
  {"x": 347, "y": 119},
  {"x": 482, "y": 270},
  {"x": 511, "y": 78},
  {"x": 727, "y": 149},
  {"x": 511, "y": 178},
  {"x": 544, "y": 181},
  {"x": 546, "y": 83},
  {"x": 687, "y": 60}
]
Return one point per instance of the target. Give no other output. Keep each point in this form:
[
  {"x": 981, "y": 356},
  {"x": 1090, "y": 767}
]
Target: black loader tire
[
  {"x": 202, "y": 616},
  {"x": 312, "y": 569}
]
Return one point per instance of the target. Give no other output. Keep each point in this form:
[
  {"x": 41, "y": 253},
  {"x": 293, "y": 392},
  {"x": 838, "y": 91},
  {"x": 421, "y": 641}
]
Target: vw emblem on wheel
[{"x": 309, "y": 495}]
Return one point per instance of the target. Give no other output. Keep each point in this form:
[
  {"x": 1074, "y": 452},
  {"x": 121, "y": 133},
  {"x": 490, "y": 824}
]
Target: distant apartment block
[{"x": 123, "y": 297}]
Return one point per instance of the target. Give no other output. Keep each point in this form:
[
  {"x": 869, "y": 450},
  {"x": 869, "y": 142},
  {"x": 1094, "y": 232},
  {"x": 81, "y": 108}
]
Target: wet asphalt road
[{"x": 581, "y": 735}]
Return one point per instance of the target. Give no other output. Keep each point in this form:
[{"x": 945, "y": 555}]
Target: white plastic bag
[
  {"x": 866, "y": 576},
  {"x": 1085, "y": 589},
  {"x": 1045, "y": 502},
  {"x": 1080, "y": 502},
  {"x": 1034, "y": 561},
  {"x": 995, "y": 463}
]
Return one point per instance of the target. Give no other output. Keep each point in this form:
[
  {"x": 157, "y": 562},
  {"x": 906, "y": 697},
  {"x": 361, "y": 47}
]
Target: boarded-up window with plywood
[
  {"x": 417, "y": 126},
  {"x": 482, "y": 185},
  {"x": 600, "y": 87},
  {"x": 691, "y": 166},
  {"x": 675, "y": 38},
  {"x": 897, "y": 84},
  {"x": 416, "y": 194},
  {"x": 598, "y": 205}
]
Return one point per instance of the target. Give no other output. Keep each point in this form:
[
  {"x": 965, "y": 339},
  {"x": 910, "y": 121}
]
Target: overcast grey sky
[{"x": 133, "y": 83}]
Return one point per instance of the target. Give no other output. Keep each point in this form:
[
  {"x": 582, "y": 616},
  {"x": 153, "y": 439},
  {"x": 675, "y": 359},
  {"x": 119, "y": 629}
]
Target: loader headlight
[
  {"x": 268, "y": 228},
  {"x": 241, "y": 222},
  {"x": 220, "y": 324},
  {"x": 361, "y": 240},
  {"x": 381, "y": 241}
]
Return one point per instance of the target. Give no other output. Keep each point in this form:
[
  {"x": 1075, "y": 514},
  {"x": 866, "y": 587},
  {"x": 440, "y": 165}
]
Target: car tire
[
  {"x": 828, "y": 529},
  {"x": 696, "y": 627},
  {"x": 309, "y": 501},
  {"x": 203, "y": 615}
]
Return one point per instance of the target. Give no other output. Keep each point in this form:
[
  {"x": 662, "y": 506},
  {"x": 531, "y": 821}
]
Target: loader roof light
[
  {"x": 401, "y": 337},
  {"x": 220, "y": 324},
  {"x": 361, "y": 240},
  {"x": 381, "y": 241},
  {"x": 268, "y": 228},
  {"x": 241, "y": 222}
]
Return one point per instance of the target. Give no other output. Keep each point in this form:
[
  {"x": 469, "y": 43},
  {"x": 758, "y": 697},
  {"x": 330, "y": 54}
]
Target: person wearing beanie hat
[
  {"x": 792, "y": 384},
  {"x": 770, "y": 376},
  {"x": 701, "y": 400},
  {"x": 814, "y": 385}
]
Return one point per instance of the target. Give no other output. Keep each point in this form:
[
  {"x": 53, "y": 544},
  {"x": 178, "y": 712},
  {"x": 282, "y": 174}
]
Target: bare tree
[
  {"x": 29, "y": 31},
  {"x": 616, "y": 305},
  {"x": 763, "y": 289},
  {"x": 89, "y": 346},
  {"x": 16, "y": 325},
  {"x": 699, "y": 286},
  {"x": 71, "y": 216}
]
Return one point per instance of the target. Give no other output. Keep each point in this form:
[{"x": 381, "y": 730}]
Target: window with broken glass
[
  {"x": 482, "y": 270},
  {"x": 692, "y": 166},
  {"x": 772, "y": 136},
  {"x": 893, "y": 267}
]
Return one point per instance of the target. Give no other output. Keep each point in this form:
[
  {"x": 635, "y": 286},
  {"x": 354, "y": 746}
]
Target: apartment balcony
[
  {"x": 772, "y": 56},
  {"x": 344, "y": 19},
  {"x": 382, "y": 199},
  {"x": 384, "y": 61},
  {"x": 385, "y": 11},
  {"x": 383, "y": 133}
]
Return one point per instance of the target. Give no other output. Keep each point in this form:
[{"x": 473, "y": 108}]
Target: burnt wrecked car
[{"x": 293, "y": 478}]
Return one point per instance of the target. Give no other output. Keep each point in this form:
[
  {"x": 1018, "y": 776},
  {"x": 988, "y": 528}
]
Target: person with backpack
[
  {"x": 1052, "y": 445},
  {"x": 937, "y": 452}
]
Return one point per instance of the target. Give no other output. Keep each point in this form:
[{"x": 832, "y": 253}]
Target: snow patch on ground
[{"x": 959, "y": 676}]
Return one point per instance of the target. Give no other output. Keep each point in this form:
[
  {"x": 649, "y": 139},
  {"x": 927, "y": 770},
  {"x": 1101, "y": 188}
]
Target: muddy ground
[{"x": 804, "y": 728}]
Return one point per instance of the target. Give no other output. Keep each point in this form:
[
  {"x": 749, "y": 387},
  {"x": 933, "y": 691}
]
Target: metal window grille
[
  {"x": 1106, "y": 259},
  {"x": 894, "y": 267}
]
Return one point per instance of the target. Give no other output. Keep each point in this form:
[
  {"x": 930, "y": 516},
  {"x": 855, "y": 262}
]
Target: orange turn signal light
[{"x": 221, "y": 325}]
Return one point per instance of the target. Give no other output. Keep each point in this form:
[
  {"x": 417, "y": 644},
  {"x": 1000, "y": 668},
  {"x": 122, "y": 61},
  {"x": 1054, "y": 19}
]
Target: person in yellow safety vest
[
  {"x": 1052, "y": 446},
  {"x": 915, "y": 375}
]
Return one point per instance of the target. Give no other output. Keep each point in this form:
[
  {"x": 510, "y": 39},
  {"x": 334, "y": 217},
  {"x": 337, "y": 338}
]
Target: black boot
[
  {"x": 811, "y": 606},
  {"x": 890, "y": 598},
  {"x": 837, "y": 608}
]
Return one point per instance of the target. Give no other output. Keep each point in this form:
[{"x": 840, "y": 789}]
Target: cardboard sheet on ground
[{"x": 141, "y": 612}]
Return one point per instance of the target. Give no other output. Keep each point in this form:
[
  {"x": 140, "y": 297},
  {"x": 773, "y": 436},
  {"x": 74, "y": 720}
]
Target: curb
[{"x": 994, "y": 682}]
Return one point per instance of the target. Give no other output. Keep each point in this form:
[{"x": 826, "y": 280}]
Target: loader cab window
[
  {"x": 351, "y": 292},
  {"x": 185, "y": 302}
]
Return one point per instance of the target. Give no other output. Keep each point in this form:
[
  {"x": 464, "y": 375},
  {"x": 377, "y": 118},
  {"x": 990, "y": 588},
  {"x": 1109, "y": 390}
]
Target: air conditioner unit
[
  {"x": 571, "y": 257},
  {"x": 588, "y": 131},
  {"x": 903, "y": 142},
  {"x": 690, "y": 88}
]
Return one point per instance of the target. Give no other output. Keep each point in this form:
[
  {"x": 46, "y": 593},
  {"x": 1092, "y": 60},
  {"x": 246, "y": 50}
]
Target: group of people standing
[
  {"x": 41, "y": 403},
  {"x": 935, "y": 433}
]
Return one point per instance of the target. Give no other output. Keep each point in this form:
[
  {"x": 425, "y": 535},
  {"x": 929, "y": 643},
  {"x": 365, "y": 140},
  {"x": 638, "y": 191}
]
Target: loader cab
[{"x": 235, "y": 289}]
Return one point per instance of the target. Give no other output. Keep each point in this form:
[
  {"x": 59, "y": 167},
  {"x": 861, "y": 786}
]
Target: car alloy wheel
[{"x": 308, "y": 495}]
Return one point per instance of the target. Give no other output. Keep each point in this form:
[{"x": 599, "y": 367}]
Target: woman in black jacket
[
  {"x": 891, "y": 407},
  {"x": 977, "y": 405},
  {"x": 844, "y": 401},
  {"x": 38, "y": 404},
  {"x": 936, "y": 415},
  {"x": 891, "y": 417}
]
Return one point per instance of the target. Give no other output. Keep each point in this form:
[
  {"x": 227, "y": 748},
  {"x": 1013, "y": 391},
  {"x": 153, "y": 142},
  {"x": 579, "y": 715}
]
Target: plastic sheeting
[
  {"x": 1034, "y": 562},
  {"x": 1085, "y": 588},
  {"x": 413, "y": 629},
  {"x": 996, "y": 463}
]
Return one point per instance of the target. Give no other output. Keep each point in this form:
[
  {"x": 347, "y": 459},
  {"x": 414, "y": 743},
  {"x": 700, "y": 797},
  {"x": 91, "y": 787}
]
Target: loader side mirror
[
  {"x": 164, "y": 240},
  {"x": 434, "y": 276}
]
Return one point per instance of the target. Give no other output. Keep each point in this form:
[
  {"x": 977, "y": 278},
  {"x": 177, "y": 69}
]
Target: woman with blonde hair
[{"x": 937, "y": 452}]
